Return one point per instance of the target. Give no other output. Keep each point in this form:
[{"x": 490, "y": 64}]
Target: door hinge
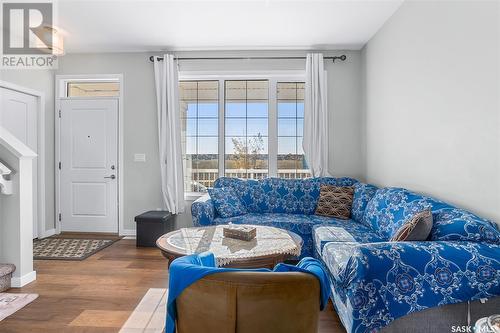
[
  {"x": 59, "y": 113},
  {"x": 60, "y": 165},
  {"x": 60, "y": 217}
]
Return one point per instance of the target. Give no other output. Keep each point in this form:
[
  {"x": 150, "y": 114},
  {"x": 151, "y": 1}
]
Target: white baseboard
[
  {"x": 47, "y": 233},
  {"x": 18, "y": 282},
  {"x": 127, "y": 233}
]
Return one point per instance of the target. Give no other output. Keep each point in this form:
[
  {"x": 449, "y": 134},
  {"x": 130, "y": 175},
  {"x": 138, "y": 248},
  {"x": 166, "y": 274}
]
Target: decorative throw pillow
[
  {"x": 335, "y": 201},
  {"x": 416, "y": 228},
  {"x": 226, "y": 201}
]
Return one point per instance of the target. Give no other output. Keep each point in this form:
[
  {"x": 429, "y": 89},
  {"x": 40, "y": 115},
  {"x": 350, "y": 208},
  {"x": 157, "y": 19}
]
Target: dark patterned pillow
[
  {"x": 416, "y": 228},
  {"x": 226, "y": 201},
  {"x": 335, "y": 201}
]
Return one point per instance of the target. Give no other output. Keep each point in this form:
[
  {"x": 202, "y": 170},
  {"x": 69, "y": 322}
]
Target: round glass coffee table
[{"x": 270, "y": 247}]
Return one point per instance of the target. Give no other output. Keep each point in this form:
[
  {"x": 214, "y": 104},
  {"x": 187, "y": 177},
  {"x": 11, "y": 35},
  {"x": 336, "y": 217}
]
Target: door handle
[{"x": 111, "y": 177}]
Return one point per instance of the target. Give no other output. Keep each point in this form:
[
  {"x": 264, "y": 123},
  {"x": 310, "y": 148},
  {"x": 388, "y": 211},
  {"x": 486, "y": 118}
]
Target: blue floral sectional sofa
[{"x": 375, "y": 281}]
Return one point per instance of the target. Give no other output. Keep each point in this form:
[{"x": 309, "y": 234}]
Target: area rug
[
  {"x": 149, "y": 315},
  {"x": 68, "y": 248},
  {"x": 10, "y": 303}
]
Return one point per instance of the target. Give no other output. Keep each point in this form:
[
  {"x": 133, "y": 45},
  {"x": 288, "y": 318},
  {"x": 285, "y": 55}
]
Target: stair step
[{"x": 6, "y": 271}]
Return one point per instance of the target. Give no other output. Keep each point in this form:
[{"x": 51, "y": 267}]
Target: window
[
  {"x": 199, "y": 102},
  {"x": 246, "y": 129},
  {"x": 290, "y": 106},
  {"x": 93, "y": 89},
  {"x": 256, "y": 132}
]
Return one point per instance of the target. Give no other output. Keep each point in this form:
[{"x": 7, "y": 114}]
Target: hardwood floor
[{"x": 99, "y": 293}]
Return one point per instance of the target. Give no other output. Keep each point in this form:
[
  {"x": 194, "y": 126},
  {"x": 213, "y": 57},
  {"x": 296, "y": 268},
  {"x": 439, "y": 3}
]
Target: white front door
[
  {"x": 18, "y": 115},
  {"x": 89, "y": 156}
]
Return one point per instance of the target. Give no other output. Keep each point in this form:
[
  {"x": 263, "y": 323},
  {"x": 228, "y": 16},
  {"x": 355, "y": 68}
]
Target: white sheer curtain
[
  {"x": 169, "y": 133},
  {"x": 315, "y": 142}
]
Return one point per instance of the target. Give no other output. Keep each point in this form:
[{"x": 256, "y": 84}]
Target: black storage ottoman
[{"x": 151, "y": 225}]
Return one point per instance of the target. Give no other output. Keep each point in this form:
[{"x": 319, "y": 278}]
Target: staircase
[{"x": 6, "y": 271}]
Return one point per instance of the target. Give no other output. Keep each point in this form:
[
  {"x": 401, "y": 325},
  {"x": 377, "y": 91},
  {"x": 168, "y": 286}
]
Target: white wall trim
[
  {"x": 127, "y": 233},
  {"x": 129, "y": 237},
  {"x": 18, "y": 282},
  {"x": 60, "y": 88},
  {"x": 40, "y": 151},
  {"x": 48, "y": 233}
]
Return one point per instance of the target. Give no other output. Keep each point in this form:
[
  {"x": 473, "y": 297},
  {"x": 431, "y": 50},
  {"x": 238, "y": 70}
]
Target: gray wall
[
  {"x": 431, "y": 106},
  {"x": 141, "y": 182}
]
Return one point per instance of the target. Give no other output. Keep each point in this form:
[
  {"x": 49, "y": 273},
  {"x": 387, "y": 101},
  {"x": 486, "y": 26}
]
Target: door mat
[{"x": 68, "y": 248}]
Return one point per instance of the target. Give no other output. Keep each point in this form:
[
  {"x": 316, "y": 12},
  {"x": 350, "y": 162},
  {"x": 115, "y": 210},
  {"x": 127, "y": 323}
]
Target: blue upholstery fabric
[
  {"x": 390, "y": 208},
  {"x": 409, "y": 277},
  {"x": 185, "y": 271},
  {"x": 277, "y": 195},
  {"x": 453, "y": 224},
  {"x": 203, "y": 211},
  {"x": 363, "y": 193},
  {"x": 226, "y": 202},
  {"x": 374, "y": 281},
  {"x": 338, "y": 230}
]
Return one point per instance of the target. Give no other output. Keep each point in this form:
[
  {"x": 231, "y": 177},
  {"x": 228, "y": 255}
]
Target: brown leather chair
[{"x": 250, "y": 302}]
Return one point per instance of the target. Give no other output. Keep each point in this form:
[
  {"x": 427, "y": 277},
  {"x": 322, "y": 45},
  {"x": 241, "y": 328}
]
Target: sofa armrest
[
  {"x": 203, "y": 211},
  {"x": 387, "y": 280}
]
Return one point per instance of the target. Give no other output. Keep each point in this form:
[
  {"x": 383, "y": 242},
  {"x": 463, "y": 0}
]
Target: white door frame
[
  {"x": 40, "y": 96},
  {"x": 60, "y": 93}
]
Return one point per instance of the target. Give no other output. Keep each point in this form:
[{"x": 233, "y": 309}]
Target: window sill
[{"x": 192, "y": 196}]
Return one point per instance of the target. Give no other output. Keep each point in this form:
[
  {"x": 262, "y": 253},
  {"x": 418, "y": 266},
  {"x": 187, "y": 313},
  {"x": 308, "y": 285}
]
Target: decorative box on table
[{"x": 242, "y": 232}]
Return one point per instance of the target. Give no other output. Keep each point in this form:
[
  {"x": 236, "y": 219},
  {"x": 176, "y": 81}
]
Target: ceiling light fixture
[{"x": 51, "y": 39}]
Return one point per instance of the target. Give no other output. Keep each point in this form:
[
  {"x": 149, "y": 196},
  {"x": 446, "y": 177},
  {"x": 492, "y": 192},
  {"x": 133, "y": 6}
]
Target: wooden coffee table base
[{"x": 263, "y": 262}]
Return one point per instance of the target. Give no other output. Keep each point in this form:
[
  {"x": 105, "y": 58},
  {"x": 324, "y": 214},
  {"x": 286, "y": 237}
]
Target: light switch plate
[{"x": 139, "y": 157}]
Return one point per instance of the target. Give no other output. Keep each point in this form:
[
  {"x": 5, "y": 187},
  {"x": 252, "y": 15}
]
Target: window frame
[{"x": 273, "y": 77}]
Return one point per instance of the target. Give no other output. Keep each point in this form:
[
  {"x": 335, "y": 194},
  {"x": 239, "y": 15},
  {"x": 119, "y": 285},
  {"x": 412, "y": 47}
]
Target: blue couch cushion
[
  {"x": 341, "y": 231},
  {"x": 277, "y": 195},
  {"x": 227, "y": 202},
  {"x": 390, "y": 208},
  {"x": 454, "y": 224},
  {"x": 363, "y": 193}
]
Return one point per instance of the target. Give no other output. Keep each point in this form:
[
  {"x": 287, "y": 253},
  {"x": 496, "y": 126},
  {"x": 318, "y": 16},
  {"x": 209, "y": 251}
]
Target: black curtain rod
[{"x": 342, "y": 58}]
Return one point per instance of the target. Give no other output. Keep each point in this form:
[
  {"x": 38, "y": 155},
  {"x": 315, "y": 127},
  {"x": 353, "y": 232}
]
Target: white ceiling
[{"x": 133, "y": 26}]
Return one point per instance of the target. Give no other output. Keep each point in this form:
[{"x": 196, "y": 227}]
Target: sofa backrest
[
  {"x": 363, "y": 193},
  {"x": 391, "y": 207},
  {"x": 455, "y": 224},
  {"x": 277, "y": 195}
]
